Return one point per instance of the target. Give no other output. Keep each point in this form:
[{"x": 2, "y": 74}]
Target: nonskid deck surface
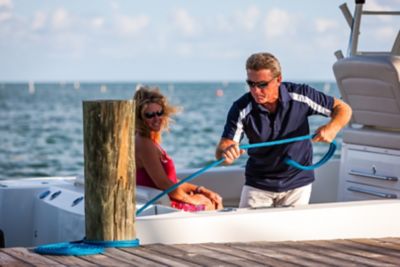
[{"x": 348, "y": 252}]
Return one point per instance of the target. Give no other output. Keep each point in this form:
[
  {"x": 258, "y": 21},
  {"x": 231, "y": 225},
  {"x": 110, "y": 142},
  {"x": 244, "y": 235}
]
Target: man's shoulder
[
  {"x": 292, "y": 87},
  {"x": 243, "y": 101}
]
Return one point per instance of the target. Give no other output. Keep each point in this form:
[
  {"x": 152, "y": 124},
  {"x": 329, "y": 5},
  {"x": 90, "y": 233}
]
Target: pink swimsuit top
[{"x": 144, "y": 179}]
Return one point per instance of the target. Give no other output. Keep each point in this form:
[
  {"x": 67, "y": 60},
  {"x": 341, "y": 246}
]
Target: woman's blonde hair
[{"x": 144, "y": 96}]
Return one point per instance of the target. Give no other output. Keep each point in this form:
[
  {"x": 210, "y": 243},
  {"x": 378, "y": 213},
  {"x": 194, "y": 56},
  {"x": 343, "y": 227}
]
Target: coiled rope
[{"x": 84, "y": 247}]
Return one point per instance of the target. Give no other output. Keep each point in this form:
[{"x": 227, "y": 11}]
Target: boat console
[{"x": 370, "y": 83}]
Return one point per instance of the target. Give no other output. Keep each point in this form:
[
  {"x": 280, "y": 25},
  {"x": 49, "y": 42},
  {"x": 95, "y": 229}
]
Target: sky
[{"x": 178, "y": 40}]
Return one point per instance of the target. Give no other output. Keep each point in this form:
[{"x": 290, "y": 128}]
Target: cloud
[
  {"x": 223, "y": 23},
  {"x": 127, "y": 25},
  {"x": 184, "y": 49},
  {"x": 4, "y": 16},
  {"x": 248, "y": 19},
  {"x": 6, "y": 4},
  {"x": 323, "y": 25},
  {"x": 114, "y": 5},
  {"x": 97, "y": 22},
  {"x": 386, "y": 32},
  {"x": 185, "y": 23},
  {"x": 6, "y": 7},
  {"x": 60, "y": 19},
  {"x": 39, "y": 20},
  {"x": 378, "y": 6},
  {"x": 278, "y": 23}
]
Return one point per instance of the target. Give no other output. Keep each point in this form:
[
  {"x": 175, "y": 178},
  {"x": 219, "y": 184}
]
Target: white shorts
[{"x": 252, "y": 197}]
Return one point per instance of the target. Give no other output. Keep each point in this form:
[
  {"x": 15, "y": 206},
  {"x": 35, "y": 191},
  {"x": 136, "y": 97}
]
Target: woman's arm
[{"x": 148, "y": 156}]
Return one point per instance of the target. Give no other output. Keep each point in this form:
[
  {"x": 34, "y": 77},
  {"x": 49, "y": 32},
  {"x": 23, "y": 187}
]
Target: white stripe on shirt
[
  {"x": 302, "y": 98},
  {"x": 239, "y": 125}
]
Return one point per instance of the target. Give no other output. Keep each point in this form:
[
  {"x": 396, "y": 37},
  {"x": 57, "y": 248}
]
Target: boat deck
[{"x": 348, "y": 252}]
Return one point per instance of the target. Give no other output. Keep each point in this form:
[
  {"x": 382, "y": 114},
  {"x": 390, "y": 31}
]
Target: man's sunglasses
[
  {"x": 261, "y": 85},
  {"x": 150, "y": 115}
]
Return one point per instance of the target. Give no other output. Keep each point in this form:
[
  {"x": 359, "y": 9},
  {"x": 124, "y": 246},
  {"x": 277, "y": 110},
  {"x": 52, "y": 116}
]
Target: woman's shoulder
[{"x": 144, "y": 142}]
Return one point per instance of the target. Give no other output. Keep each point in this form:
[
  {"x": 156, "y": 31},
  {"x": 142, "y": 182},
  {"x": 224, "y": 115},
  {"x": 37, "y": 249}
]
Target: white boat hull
[
  {"x": 363, "y": 219},
  {"x": 29, "y": 220}
]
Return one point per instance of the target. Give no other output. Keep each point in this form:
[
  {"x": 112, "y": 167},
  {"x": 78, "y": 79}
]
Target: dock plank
[
  {"x": 297, "y": 249},
  {"x": 251, "y": 257},
  {"x": 105, "y": 260},
  {"x": 71, "y": 261},
  {"x": 267, "y": 251},
  {"x": 130, "y": 258},
  {"x": 341, "y": 252},
  {"x": 352, "y": 253},
  {"x": 28, "y": 256},
  {"x": 391, "y": 240},
  {"x": 157, "y": 257},
  {"x": 325, "y": 255},
  {"x": 381, "y": 245},
  {"x": 221, "y": 259},
  {"x": 7, "y": 260},
  {"x": 186, "y": 254}
]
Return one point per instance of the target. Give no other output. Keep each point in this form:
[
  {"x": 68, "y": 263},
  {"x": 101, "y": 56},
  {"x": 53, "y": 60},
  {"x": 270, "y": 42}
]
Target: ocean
[{"x": 41, "y": 128}]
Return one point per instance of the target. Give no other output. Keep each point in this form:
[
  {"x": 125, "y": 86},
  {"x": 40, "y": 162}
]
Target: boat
[{"x": 356, "y": 196}]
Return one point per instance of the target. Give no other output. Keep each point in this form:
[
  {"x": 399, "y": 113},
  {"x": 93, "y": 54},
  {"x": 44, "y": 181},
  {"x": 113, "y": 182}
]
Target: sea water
[{"x": 41, "y": 128}]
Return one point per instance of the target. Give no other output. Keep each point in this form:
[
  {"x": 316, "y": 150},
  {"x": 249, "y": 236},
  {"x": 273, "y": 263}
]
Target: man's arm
[
  {"x": 228, "y": 149},
  {"x": 340, "y": 116}
]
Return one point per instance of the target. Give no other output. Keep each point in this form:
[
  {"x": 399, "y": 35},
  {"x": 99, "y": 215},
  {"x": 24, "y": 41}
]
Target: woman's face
[{"x": 153, "y": 116}]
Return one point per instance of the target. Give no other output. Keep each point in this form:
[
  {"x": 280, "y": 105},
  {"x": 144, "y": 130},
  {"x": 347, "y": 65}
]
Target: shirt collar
[{"x": 284, "y": 98}]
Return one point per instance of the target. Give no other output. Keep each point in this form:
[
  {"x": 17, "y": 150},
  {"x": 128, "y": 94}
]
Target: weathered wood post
[{"x": 110, "y": 175}]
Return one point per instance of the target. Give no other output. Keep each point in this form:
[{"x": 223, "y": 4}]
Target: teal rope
[
  {"x": 278, "y": 142},
  {"x": 322, "y": 161},
  {"x": 89, "y": 247},
  {"x": 83, "y": 247},
  {"x": 288, "y": 161}
]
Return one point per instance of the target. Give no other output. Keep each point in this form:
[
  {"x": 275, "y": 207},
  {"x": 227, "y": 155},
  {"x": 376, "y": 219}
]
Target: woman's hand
[
  {"x": 203, "y": 200},
  {"x": 199, "y": 195},
  {"x": 215, "y": 198}
]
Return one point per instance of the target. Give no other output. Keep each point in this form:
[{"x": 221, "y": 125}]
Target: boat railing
[{"x": 354, "y": 22}]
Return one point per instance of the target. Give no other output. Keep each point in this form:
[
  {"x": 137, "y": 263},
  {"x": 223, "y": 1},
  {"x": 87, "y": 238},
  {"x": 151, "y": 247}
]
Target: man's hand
[
  {"x": 229, "y": 150},
  {"x": 326, "y": 133},
  {"x": 231, "y": 153},
  {"x": 340, "y": 116}
]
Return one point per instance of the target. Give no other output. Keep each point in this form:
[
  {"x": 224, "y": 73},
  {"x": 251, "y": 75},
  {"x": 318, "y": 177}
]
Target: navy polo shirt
[{"x": 265, "y": 168}]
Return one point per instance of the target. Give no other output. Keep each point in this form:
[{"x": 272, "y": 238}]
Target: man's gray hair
[{"x": 261, "y": 61}]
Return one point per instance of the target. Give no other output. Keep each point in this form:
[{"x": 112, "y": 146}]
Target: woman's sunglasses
[{"x": 150, "y": 115}]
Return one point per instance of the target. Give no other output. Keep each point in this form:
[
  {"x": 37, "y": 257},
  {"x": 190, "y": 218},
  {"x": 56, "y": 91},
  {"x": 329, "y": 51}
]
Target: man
[{"x": 275, "y": 110}]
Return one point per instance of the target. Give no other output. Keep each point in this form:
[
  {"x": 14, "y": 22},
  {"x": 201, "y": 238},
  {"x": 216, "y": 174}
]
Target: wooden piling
[{"x": 110, "y": 174}]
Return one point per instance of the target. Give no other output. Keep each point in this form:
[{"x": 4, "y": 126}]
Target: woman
[{"x": 154, "y": 168}]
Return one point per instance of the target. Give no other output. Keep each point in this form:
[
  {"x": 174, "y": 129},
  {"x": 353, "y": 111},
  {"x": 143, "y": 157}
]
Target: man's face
[{"x": 263, "y": 85}]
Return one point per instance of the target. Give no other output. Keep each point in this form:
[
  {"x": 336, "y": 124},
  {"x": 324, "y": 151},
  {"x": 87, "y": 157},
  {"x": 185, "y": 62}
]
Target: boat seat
[
  {"x": 372, "y": 137},
  {"x": 371, "y": 86}
]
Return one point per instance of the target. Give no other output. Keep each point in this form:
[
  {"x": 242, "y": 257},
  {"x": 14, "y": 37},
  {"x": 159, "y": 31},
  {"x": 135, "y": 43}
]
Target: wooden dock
[{"x": 349, "y": 252}]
